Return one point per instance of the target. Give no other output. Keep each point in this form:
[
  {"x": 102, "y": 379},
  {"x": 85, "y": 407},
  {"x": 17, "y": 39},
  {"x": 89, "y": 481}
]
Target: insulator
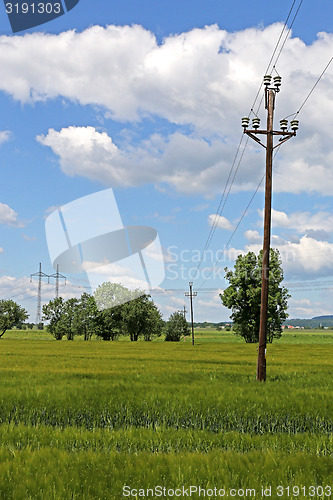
[
  {"x": 267, "y": 80},
  {"x": 255, "y": 123},
  {"x": 277, "y": 82},
  {"x": 284, "y": 125},
  {"x": 245, "y": 121},
  {"x": 294, "y": 125}
]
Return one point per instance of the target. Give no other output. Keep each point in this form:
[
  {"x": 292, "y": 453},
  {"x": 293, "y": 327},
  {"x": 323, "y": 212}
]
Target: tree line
[
  {"x": 105, "y": 316},
  {"x": 114, "y": 310}
]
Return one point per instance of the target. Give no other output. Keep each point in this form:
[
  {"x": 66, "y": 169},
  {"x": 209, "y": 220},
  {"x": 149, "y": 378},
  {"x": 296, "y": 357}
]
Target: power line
[
  {"x": 313, "y": 88},
  {"x": 268, "y": 71},
  {"x": 287, "y": 35}
]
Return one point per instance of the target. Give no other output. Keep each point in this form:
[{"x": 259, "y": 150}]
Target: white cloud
[
  {"x": 253, "y": 236},
  {"x": 303, "y": 308},
  {"x": 5, "y": 135},
  {"x": 316, "y": 225},
  {"x": 87, "y": 152},
  {"x": 220, "y": 221},
  {"x": 29, "y": 238},
  {"x": 306, "y": 259},
  {"x": 206, "y": 78},
  {"x": 8, "y": 216}
]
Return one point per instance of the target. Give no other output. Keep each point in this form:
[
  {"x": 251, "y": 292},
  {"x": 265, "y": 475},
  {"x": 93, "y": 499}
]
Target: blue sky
[{"x": 147, "y": 98}]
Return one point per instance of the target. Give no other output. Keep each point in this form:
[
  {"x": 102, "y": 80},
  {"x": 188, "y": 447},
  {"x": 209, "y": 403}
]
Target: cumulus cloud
[
  {"x": 253, "y": 236},
  {"x": 5, "y": 135},
  {"x": 306, "y": 259},
  {"x": 8, "y": 216},
  {"x": 24, "y": 291},
  {"x": 186, "y": 163},
  {"x": 316, "y": 225},
  {"x": 206, "y": 78},
  {"x": 304, "y": 308},
  {"x": 220, "y": 221}
]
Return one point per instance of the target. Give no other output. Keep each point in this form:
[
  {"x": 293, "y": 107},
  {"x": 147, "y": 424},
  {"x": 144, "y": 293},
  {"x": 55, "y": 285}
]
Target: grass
[{"x": 82, "y": 419}]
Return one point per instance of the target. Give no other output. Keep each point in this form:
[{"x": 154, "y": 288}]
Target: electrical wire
[
  {"x": 225, "y": 197},
  {"x": 268, "y": 70},
  {"x": 313, "y": 88}
]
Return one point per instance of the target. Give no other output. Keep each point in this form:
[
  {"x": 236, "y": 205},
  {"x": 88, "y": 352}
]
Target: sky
[{"x": 146, "y": 98}]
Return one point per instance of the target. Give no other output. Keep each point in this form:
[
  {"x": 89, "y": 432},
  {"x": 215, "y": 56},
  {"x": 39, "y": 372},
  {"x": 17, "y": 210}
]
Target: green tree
[
  {"x": 10, "y": 314},
  {"x": 70, "y": 310},
  {"x": 243, "y": 296},
  {"x": 54, "y": 313},
  {"x": 86, "y": 319},
  {"x": 141, "y": 318},
  {"x": 110, "y": 298},
  {"x": 176, "y": 327},
  {"x": 110, "y": 322}
]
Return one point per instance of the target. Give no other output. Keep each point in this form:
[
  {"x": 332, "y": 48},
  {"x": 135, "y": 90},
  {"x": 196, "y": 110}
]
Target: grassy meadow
[{"x": 79, "y": 420}]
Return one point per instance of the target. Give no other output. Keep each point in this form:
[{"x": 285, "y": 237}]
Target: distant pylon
[
  {"x": 57, "y": 276},
  {"x": 40, "y": 275}
]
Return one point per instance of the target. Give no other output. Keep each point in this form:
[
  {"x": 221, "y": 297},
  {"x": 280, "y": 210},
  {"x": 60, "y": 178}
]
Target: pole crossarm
[{"x": 285, "y": 136}]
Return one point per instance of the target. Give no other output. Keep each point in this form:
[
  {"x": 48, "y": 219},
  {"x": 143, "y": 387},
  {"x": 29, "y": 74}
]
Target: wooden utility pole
[
  {"x": 270, "y": 93},
  {"x": 191, "y": 294},
  {"x": 261, "y": 365}
]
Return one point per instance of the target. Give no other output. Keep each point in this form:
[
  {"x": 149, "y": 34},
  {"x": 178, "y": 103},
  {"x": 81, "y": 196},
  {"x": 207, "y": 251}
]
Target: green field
[{"x": 79, "y": 420}]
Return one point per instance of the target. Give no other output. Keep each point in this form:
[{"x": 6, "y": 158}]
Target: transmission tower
[
  {"x": 57, "y": 276},
  {"x": 39, "y": 275}
]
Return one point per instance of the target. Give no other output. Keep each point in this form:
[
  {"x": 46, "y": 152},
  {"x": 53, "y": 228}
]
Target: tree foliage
[
  {"x": 86, "y": 318},
  {"x": 243, "y": 296},
  {"x": 109, "y": 298},
  {"x": 141, "y": 318},
  {"x": 176, "y": 327},
  {"x": 55, "y": 313},
  {"x": 11, "y": 314}
]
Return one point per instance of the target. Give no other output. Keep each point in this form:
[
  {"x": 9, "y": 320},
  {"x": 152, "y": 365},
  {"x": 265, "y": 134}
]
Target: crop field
[{"x": 80, "y": 420}]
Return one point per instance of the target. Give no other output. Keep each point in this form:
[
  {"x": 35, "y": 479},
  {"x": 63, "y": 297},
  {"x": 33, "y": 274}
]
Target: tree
[
  {"x": 109, "y": 299},
  {"x": 141, "y": 317},
  {"x": 86, "y": 320},
  {"x": 243, "y": 296},
  {"x": 176, "y": 327},
  {"x": 54, "y": 313},
  {"x": 10, "y": 314},
  {"x": 109, "y": 322},
  {"x": 67, "y": 320}
]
